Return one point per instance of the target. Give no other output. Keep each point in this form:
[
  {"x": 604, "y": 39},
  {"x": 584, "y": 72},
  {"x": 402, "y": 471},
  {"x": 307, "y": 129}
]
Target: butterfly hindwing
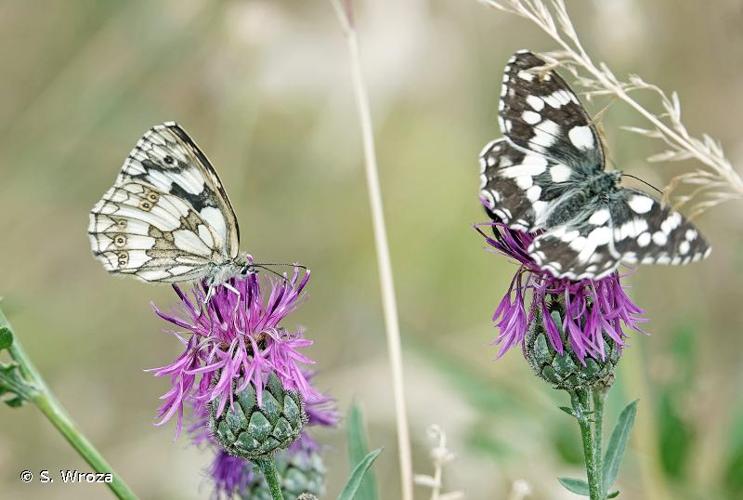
[
  {"x": 539, "y": 112},
  {"x": 167, "y": 217},
  {"x": 136, "y": 229},
  {"x": 646, "y": 231},
  {"x": 629, "y": 227}
]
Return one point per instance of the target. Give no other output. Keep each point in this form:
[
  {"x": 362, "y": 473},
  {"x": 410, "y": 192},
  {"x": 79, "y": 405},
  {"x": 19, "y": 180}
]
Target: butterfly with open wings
[
  {"x": 167, "y": 217},
  {"x": 547, "y": 177}
]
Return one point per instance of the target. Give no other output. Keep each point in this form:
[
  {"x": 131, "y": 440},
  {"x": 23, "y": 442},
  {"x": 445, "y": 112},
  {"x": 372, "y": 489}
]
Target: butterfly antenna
[
  {"x": 644, "y": 182},
  {"x": 265, "y": 267},
  {"x": 260, "y": 264}
]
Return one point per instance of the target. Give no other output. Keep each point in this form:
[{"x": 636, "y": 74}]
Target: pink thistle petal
[
  {"x": 232, "y": 341},
  {"x": 594, "y": 310}
]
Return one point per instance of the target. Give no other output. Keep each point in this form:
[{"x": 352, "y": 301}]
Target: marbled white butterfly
[
  {"x": 167, "y": 217},
  {"x": 546, "y": 176}
]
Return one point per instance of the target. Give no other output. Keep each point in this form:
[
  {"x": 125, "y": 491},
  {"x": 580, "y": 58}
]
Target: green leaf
[
  {"x": 568, "y": 410},
  {"x": 618, "y": 443},
  {"x": 577, "y": 486},
  {"x": 357, "y": 450},
  {"x": 613, "y": 494},
  {"x": 357, "y": 475},
  {"x": 14, "y": 390},
  {"x": 6, "y": 338},
  {"x": 15, "y": 402}
]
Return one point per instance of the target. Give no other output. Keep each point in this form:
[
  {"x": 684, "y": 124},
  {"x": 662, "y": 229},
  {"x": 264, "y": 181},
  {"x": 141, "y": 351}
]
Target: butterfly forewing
[
  {"x": 170, "y": 160},
  {"x": 519, "y": 188},
  {"x": 539, "y": 112},
  {"x": 167, "y": 217}
]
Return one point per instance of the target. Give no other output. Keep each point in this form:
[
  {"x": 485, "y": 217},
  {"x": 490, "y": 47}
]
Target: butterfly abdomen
[
  {"x": 578, "y": 200},
  {"x": 569, "y": 207}
]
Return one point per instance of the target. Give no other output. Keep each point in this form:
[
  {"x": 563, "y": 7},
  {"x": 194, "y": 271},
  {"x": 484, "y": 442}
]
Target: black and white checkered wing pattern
[
  {"x": 547, "y": 177},
  {"x": 539, "y": 112},
  {"x": 167, "y": 217},
  {"x": 518, "y": 188},
  {"x": 630, "y": 227}
]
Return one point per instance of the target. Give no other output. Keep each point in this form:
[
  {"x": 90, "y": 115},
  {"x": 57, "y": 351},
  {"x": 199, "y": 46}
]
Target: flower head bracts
[
  {"x": 233, "y": 475},
  {"x": 235, "y": 339},
  {"x": 592, "y": 309}
]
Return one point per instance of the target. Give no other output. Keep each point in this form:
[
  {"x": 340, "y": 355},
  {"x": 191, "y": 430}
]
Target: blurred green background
[{"x": 264, "y": 88}]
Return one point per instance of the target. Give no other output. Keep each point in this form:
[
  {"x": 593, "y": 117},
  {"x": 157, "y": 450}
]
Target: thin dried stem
[
  {"x": 440, "y": 455},
  {"x": 345, "y": 16},
  {"x": 720, "y": 180}
]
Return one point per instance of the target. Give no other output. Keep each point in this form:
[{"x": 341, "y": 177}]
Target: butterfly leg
[
  {"x": 232, "y": 289},
  {"x": 209, "y": 294},
  {"x": 212, "y": 288}
]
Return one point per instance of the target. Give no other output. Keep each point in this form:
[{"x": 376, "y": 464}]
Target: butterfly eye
[{"x": 169, "y": 160}]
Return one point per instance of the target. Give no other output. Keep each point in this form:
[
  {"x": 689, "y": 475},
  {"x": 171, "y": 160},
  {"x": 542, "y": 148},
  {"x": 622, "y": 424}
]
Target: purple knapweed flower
[
  {"x": 231, "y": 475},
  {"x": 233, "y": 340},
  {"x": 592, "y": 308}
]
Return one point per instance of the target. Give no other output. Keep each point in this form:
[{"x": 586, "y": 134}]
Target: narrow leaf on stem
[
  {"x": 357, "y": 475},
  {"x": 618, "y": 443},
  {"x": 568, "y": 410},
  {"x": 358, "y": 448},
  {"x": 577, "y": 486}
]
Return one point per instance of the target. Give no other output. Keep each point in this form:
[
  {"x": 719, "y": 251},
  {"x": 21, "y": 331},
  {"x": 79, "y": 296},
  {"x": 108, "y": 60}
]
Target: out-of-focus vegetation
[{"x": 263, "y": 86}]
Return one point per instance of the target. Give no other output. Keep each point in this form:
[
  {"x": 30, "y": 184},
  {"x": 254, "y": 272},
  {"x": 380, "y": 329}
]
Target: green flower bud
[
  {"x": 251, "y": 431},
  {"x": 302, "y": 475},
  {"x": 566, "y": 371}
]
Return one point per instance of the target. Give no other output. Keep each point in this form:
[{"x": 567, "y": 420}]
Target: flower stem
[
  {"x": 392, "y": 327},
  {"x": 268, "y": 467},
  {"x": 45, "y": 401},
  {"x": 582, "y": 409},
  {"x": 599, "y": 397}
]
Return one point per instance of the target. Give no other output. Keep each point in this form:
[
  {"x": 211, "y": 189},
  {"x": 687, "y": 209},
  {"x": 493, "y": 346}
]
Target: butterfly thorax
[
  {"x": 593, "y": 189},
  {"x": 602, "y": 183},
  {"x": 221, "y": 272}
]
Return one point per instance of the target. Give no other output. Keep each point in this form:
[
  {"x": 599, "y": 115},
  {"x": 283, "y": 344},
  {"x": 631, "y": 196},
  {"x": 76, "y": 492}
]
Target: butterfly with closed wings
[
  {"x": 167, "y": 217},
  {"x": 547, "y": 177}
]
